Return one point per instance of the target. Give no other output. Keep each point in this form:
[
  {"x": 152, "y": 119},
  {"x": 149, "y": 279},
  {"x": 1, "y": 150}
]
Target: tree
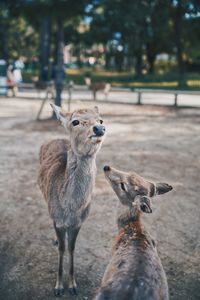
[
  {"x": 18, "y": 37},
  {"x": 45, "y": 32},
  {"x": 62, "y": 14},
  {"x": 59, "y": 13},
  {"x": 143, "y": 26},
  {"x": 158, "y": 30},
  {"x": 183, "y": 13}
]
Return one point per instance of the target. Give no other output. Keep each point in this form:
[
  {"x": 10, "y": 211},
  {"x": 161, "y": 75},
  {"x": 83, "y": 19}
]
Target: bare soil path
[{"x": 160, "y": 143}]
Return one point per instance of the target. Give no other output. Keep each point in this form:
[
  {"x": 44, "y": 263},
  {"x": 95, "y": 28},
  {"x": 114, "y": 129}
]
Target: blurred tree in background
[
  {"x": 149, "y": 27},
  {"x": 128, "y": 30},
  {"x": 42, "y": 15},
  {"x": 118, "y": 35}
]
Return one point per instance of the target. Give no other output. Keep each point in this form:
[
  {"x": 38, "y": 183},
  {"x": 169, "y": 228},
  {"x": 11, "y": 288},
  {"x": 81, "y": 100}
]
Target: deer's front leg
[
  {"x": 72, "y": 235},
  {"x": 60, "y": 233}
]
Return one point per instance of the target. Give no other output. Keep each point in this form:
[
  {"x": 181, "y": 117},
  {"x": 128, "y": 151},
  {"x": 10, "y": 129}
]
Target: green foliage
[
  {"x": 148, "y": 28},
  {"x": 144, "y": 28},
  {"x": 23, "y": 39},
  {"x": 20, "y": 22}
]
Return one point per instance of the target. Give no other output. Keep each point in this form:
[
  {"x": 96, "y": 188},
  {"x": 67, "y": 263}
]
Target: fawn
[
  {"x": 98, "y": 86},
  {"x": 66, "y": 179},
  {"x": 135, "y": 271}
]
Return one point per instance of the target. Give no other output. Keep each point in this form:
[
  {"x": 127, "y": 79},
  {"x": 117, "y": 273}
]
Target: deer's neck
[
  {"x": 130, "y": 229},
  {"x": 132, "y": 232},
  {"x": 130, "y": 216},
  {"x": 80, "y": 176},
  {"x": 78, "y": 166}
]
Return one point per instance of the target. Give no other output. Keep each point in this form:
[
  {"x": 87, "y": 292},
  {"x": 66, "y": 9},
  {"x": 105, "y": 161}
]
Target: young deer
[
  {"x": 98, "y": 86},
  {"x": 66, "y": 179},
  {"x": 135, "y": 271}
]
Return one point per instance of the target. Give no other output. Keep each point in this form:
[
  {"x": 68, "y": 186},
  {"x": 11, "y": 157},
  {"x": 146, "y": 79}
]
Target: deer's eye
[
  {"x": 123, "y": 186},
  {"x": 101, "y": 121},
  {"x": 75, "y": 122}
]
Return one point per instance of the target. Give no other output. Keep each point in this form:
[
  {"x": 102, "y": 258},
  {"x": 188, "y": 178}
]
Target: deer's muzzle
[
  {"x": 106, "y": 168},
  {"x": 99, "y": 130}
]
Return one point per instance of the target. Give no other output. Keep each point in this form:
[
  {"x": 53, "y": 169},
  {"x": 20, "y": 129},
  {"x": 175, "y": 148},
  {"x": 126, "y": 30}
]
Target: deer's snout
[
  {"x": 99, "y": 130},
  {"x": 106, "y": 168}
]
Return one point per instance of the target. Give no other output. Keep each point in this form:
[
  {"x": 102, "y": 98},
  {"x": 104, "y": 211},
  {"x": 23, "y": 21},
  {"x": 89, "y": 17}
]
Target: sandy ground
[{"x": 160, "y": 143}]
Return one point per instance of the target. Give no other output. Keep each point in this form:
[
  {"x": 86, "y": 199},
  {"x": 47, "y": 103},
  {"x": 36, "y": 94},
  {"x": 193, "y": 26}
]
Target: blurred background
[{"x": 127, "y": 43}]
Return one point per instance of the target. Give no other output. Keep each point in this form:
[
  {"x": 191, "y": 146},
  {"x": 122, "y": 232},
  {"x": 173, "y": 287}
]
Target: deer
[
  {"x": 98, "y": 86},
  {"x": 135, "y": 271},
  {"x": 66, "y": 178}
]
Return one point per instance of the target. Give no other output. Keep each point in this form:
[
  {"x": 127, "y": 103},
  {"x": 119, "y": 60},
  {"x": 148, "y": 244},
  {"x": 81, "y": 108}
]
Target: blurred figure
[
  {"x": 10, "y": 76},
  {"x": 17, "y": 74},
  {"x": 10, "y": 80}
]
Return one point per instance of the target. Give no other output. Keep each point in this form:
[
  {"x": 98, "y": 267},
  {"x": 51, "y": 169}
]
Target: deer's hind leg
[
  {"x": 94, "y": 95},
  {"x": 72, "y": 235},
  {"x": 61, "y": 234}
]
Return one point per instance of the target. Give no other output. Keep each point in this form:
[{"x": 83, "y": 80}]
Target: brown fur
[
  {"x": 130, "y": 232},
  {"x": 97, "y": 86},
  {"x": 135, "y": 271},
  {"x": 66, "y": 179},
  {"x": 53, "y": 160}
]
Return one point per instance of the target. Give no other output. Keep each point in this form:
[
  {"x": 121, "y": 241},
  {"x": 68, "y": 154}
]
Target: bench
[{"x": 158, "y": 91}]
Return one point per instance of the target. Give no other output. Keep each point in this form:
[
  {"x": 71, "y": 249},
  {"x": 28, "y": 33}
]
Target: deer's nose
[
  {"x": 99, "y": 130},
  {"x": 106, "y": 168}
]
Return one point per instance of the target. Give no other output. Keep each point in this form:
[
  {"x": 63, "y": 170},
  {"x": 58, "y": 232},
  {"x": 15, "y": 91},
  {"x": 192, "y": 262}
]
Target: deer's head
[
  {"x": 86, "y": 129},
  {"x": 133, "y": 190}
]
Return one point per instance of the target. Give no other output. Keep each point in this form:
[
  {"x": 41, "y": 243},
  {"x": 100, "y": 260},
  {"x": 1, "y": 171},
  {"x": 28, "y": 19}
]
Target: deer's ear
[
  {"x": 60, "y": 114},
  {"x": 96, "y": 109},
  {"x": 162, "y": 188}
]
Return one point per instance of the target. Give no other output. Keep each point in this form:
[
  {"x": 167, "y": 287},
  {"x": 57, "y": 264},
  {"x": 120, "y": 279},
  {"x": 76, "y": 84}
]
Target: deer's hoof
[
  {"x": 59, "y": 292},
  {"x": 73, "y": 290}
]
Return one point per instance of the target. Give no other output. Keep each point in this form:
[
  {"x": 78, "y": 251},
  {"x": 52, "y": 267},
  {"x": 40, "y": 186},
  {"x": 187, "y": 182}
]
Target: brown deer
[
  {"x": 66, "y": 179},
  {"x": 135, "y": 271},
  {"x": 98, "y": 86}
]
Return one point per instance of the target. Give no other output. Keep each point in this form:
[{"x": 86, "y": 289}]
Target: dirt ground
[{"x": 160, "y": 143}]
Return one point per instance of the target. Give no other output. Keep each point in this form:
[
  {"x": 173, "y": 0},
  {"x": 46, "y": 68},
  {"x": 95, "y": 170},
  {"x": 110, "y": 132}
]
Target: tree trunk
[
  {"x": 178, "y": 35},
  {"x": 44, "y": 49},
  {"x": 59, "y": 79},
  {"x": 79, "y": 62},
  {"x": 151, "y": 66},
  {"x": 138, "y": 65},
  {"x": 4, "y": 40},
  {"x": 107, "y": 59},
  {"x": 151, "y": 58}
]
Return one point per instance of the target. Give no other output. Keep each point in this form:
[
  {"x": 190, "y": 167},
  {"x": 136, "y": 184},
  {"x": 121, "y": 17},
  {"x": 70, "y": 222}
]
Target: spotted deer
[
  {"x": 135, "y": 271},
  {"x": 98, "y": 86},
  {"x": 66, "y": 179}
]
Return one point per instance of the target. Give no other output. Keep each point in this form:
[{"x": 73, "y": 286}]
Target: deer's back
[
  {"x": 134, "y": 273},
  {"x": 97, "y": 86},
  {"x": 52, "y": 173}
]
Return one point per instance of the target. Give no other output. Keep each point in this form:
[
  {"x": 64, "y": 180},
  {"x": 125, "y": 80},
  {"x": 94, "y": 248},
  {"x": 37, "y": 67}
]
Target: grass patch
[
  {"x": 130, "y": 80},
  {"x": 172, "y": 80}
]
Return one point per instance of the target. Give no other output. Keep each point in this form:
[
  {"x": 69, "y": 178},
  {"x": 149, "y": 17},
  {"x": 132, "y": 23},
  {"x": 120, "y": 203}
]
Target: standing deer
[
  {"x": 98, "y": 86},
  {"x": 66, "y": 179},
  {"x": 135, "y": 271}
]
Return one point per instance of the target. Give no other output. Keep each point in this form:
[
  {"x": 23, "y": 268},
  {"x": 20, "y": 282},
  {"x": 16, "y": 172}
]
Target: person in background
[
  {"x": 10, "y": 80},
  {"x": 17, "y": 73}
]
